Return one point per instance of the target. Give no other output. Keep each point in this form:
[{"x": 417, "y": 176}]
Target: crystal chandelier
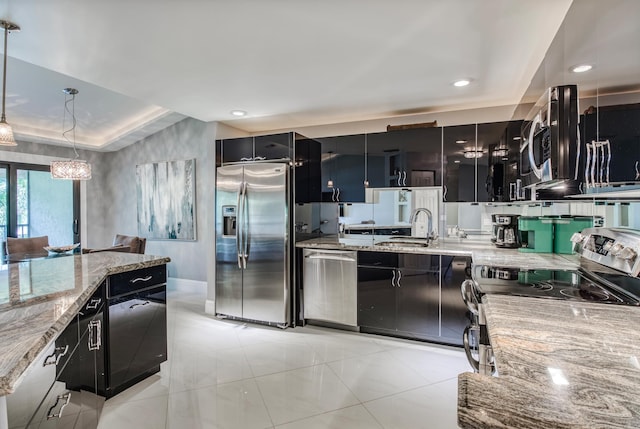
[
  {"x": 6, "y": 133},
  {"x": 73, "y": 169}
]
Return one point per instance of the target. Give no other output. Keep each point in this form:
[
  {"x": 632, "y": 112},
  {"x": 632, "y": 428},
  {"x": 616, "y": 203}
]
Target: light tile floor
[{"x": 225, "y": 374}]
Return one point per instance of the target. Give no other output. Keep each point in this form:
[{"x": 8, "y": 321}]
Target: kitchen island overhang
[{"x": 53, "y": 291}]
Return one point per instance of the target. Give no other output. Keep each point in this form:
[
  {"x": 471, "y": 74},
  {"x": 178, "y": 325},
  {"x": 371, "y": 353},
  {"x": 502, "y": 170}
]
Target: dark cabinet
[
  {"x": 459, "y": 163},
  {"x": 135, "y": 328},
  {"x": 59, "y": 389},
  {"x": 497, "y": 168},
  {"x": 308, "y": 173},
  {"x": 343, "y": 168},
  {"x": 376, "y": 297},
  {"x": 404, "y": 158},
  {"x": 274, "y": 147},
  {"x": 455, "y": 315},
  {"x": 620, "y": 125},
  {"x": 398, "y": 294},
  {"x": 417, "y": 306}
]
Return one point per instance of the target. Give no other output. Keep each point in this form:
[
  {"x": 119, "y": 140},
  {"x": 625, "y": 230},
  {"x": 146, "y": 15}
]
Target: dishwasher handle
[{"x": 330, "y": 257}]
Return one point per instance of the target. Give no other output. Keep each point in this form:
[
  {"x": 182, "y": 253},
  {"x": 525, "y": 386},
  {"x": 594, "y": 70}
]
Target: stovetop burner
[
  {"x": 574, "y": 285},
  {"x": 543, "y": 286},
  {"x": 591, "y": 292}
]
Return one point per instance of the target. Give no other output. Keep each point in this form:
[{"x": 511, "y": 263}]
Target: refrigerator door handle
[
  {"x": 245, "y": 228},
  {"x": 239, "y": 226}
]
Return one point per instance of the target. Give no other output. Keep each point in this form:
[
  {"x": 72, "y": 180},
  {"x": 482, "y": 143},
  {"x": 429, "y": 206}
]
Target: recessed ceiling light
[
  {"x": 462, "y": 82},
  {"x": 238, "y": 112},
  {"x": 461, "y": 141},
  {"x": 582, "y": 68}
]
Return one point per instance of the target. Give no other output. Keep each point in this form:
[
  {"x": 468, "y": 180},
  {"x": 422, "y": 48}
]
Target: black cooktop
[{"x": 606, "y": 286}]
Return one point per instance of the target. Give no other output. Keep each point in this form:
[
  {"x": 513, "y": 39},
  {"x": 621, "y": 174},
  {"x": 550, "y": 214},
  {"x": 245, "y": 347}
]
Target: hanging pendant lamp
[
  {"x": 73, "y": 169},
  {"x": 6, "y": 133}
]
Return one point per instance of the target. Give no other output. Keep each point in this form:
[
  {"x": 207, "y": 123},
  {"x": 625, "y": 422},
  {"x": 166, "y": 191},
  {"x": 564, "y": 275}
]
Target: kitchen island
[
  {"x": 560, "y": 364},
  {"x": 41, "y": 297}
]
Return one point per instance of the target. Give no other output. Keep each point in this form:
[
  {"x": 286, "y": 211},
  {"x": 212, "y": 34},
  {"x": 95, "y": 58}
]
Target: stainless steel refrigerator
[{"x": 252, "y": 242}]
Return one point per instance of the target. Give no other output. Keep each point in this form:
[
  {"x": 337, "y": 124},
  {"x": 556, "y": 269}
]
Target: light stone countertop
[
  {"x": 38, "y": 299},
  {"x": 482, "y": 251},
  {"x": 561, "y": 364}
]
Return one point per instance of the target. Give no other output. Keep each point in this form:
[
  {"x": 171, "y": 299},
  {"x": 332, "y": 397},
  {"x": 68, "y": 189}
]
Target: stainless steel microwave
[{"x": 550, "y": 141}]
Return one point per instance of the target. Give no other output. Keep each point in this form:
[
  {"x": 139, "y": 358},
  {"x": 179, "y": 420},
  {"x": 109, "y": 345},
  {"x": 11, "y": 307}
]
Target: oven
[
  {"x": 608, "y": 275},
  {"x": 550, "y": 143}
]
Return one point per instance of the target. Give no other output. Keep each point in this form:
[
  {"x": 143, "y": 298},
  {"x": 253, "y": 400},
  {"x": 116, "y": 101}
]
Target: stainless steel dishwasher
[{"x": 330, "y": 286}]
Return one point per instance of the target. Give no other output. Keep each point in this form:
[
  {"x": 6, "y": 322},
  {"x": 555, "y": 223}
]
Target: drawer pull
[
  {"x": 67, "y": 398},
  {"x": 54, "y": 357},
  {"x": 95, "y": 337},
  {"x": 93, "y": 303},
  {"x": 140, "y": 279},
  {"x": 138, "y": 305}
]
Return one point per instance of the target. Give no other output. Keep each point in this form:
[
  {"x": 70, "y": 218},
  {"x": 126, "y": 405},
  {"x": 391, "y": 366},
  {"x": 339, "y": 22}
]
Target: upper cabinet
[
  {"x": 480, "y": 162},
  {"x": 272, "y": 147},
  {"x": 343, "y": 168},
  {"x": 498, "y": 147},
  {"x": 405, "y": 158},
  {"x": 308, "y": 174},
  {"x": 459, "y": 163}
]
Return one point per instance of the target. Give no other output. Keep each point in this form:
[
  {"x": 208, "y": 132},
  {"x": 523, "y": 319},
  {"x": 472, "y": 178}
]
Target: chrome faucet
[{"x": 414, "y": 216}]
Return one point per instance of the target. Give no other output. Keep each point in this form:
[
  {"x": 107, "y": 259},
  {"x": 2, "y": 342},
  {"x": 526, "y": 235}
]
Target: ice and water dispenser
[{"x": 229, "y": 221}]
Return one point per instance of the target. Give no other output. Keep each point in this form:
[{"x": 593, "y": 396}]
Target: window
[{"x": 33, "y": 204}]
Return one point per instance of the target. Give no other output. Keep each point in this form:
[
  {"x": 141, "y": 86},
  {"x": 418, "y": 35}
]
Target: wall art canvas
[{"x": 166, "y": 200}]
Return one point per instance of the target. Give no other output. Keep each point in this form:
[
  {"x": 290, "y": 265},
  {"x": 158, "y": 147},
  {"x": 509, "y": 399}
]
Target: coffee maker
[{"x": 505, "y": 230}]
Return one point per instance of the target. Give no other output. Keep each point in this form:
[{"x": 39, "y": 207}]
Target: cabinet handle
[
  {"x": 54, "y": 357},
  {"x": 337, "y": 195},
  {"x": 404, "y": 177},
  {"x": 444, "y": 193},
  {"x": 246, "y": 159},
  {"x": 93, "y": 303},
  {"x": 95, "y": 337},
  {"x": 399, "y": 173},
  {"x": 393, "y": 279},
  {"x": 333, "y": 194},
  {"x": 395, "y": 232},
  {"x": 67, "y": 398},
  {"x": 399, "y": 277},
  {"x": 138, "y": 305},
  {"x": 140, "y": 279}
]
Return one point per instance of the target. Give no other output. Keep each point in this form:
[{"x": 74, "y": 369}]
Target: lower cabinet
[
  {"x": 455, "y": 316},
  {"x": 136, "y": 338},
  {"x": 398, "y": 294},
  {"x": 412, "y": 295},
  {"x": 51, "y": 394}
]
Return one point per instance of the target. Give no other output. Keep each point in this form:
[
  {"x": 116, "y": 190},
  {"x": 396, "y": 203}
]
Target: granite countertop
[
  {"x": 561, "y": 364},
  {"x": 481, "y": 250},
  {"x": 38, "y": 299}
]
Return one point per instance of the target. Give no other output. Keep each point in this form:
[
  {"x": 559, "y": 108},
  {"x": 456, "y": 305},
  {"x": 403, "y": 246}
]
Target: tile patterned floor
[{"x": 224, "y": 374}]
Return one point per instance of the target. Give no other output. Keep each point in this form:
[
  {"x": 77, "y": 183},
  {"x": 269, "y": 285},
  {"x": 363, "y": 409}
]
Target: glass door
[{"x": 44, "y": 206}]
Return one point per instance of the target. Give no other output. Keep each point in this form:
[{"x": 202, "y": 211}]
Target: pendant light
[
  {"x": 6, "y": 133},
  {"x": 73, "y": 169}
]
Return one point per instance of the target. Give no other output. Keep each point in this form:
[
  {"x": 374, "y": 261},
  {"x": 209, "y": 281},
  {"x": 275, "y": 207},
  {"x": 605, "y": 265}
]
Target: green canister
[{"x": 536, "y": 234}]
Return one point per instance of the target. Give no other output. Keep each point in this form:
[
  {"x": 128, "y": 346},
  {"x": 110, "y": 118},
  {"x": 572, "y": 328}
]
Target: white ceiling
[{"x": 141, "y": 65}]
